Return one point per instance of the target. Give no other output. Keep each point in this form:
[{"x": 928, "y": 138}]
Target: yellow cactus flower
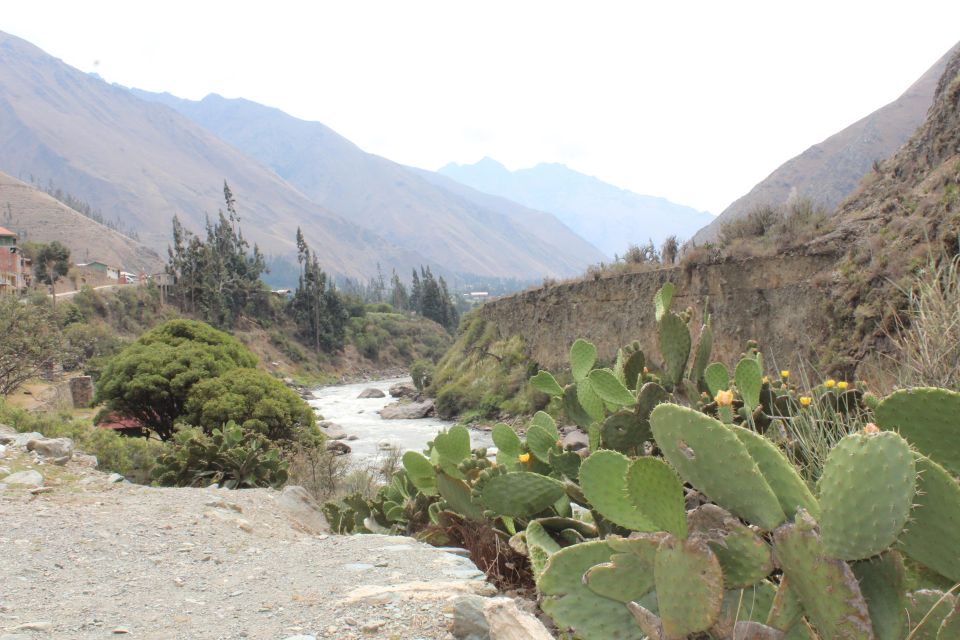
[
  {"x": 785, "y": 374},
  {"x": 871, "y": 428},
  {"x": 724, "y": 398},
  {"x": 805, "y": 401},
  {"x": 645, "y": 370},
  {"x": 842, "y": 385},
  {"x": 524, "y": 457},
  {"x": 830, "y": 384},
  {"x": 766, "y": 380}
]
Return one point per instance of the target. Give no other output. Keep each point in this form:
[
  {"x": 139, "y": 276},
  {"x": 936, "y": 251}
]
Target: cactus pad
[
  {"x": 572, "y": 605},
  {"x": 790, "y": 489},
  {"x": 929, "y": 419},
  {"x": 689, "y": 585},
  {"x": 674, "y": 345},
  {"x": 603, "y": 479},
  {"x": 457, "y": 494},
  {"x": 573, "y": 408},
  {"x": 420, "y": 472},
  {"x": 509, "y": 445},
  {"x": 749, "y": 380},
  {"x": 866, "y": 490},
  {"x": 541, "y": 442},
  {"x": 654, "y": 488},
  {"x": 583, "y": 355},
  {"x": 743, "y": 555},
  {"x": 701, "y": 357},
  {"x": 883, "y": 585},
  {"x": 826, "y": 587},
  {"x": 927, "y": 609},
  {"x": 628, "y": 576},
  {"x": 540, "y": 546},
  {"x": 590, "y": 401},
  {"x": 717, "y": 378},
  {"x": 450, "y": 448},
  {"x": 520, "y": 494},
  {"x": 566, "y": 464},
  {"x": 625, "y": 432},
  {"x": 633, "y": 368},
  {"x": 932, "y": 537},
  {"x": 786, "y": 610},
  {"x": 606, "y": 385},
  {"x": 741, "y": 606},
  {"x": 709, "y": 456},
  {"x": 544, "y": 382}
]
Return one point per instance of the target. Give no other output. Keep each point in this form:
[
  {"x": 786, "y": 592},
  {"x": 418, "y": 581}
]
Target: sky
[{"x": 693, "y": 101}]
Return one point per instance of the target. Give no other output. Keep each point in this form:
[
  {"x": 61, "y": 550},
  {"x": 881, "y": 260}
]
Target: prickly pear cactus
[
  {"x": 689, "y": 586},
  {"x": 629, "y": 574},
  {"x": 420, "y": 472},
  {"x": 749, "y": 379},
  {"x": 509, "y": 445},
  {"x": 932, "y": 536},
  {"x": 544, "y": 382},
  {"x": 606, "y": 385},
  {"x": 625, "y": 432},
  {"x": 866, "y": 490},
  {"x": 929, "y": 419},
  {"x": 675, "y": 346},
  {"x": 583, "y": 355},
  {"x": 884, "y": 586},
  {"x": 519, "y": 494},
  {"x": 717, "y": 378},
  {"x": 744, "y": 556}
]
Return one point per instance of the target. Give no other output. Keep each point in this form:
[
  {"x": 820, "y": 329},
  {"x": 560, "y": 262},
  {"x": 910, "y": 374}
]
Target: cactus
[
  {"x": 633, "y": 364},
  {"x": 701, "y": 356},
  {"x": 583, "y": 355},
  {"x": 544, "y": 382},
  {"x": 509, "y": 445},
  {"x": 749, "y": 606},
  {"x": 883, "y": 585},
  {"x": 826, "y": 587},
  {"x": 791, "y": 491},
  {"x": 786, "y": 610},
  {"x": 456, "y": 492},
  {"x": 628, "y": 576},
  {"x": 450, "y": 448},
  {"x": 566, "y": 464},
  {"x": 929, "y": 419},
  {"x": 592, "y": 403},
  {"x": 749, "y": 379},
  {"x": 573, "y": 605},
  {"x": 421, "y": 472},
  {"x": 866, "y": 490},
  {"x": 655, "y": 488},
  {"x": 717, "y": 378},
  {"x": 927, "y": 611},
  {"x": 674, "y": 346},
  {"x": 542, "y": 436},
  {"x": 625, "y": 432},
  {"x": 573, "y": 408},
  {"x": 950, "y": 627},
  {"x": 709, "y": 456},
  {"x": 606, "y": 385},
  {"x": 689, "y": 586},
  {"x": 540, "y": 546},
  {"x": 519, "y": 494},
  {"x": 932, "y": 537},
  {"x": 743, "y": 555}
]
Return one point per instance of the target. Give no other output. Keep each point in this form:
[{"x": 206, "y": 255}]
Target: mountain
[
  {"x": 830, "y": 171},
  {"x": 460, "y": 228},
  {"x": 38, "y": 217},
  {"x": 609, "y": 217}
]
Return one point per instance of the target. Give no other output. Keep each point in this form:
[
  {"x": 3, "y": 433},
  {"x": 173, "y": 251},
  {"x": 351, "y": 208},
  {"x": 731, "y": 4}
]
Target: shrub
[
  {"x": 422, "y": 373},
  {"x": 228, "y": 457},
  {"x": 253, "y": 399},
  {"x": 753, "y": 225},
  {"x": 84, "y": 343}
]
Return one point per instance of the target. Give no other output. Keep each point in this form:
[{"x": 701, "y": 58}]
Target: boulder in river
[
  {"x": 338, "y": 448},
  {"x": 407, "y": 411},
  {"x": 403, "y": 390},
  {"x": 371, "y": 393}
]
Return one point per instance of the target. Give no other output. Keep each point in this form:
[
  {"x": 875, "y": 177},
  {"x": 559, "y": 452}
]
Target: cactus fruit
[
  {"x": 583, "y": 355},
  {"x": 520, "y": 494},
  {"x": 717, "y": 378},
  {"x": 927, "y": 610},
  {"x": 867, "y": 487},
  {"x": 689, "y": 585},
  {"x": 606, "y": 385},
  {"x": 625, "y": 432},
  {"x": 826, "y": 587},
  {"x": 420, "y": 472},
  {"x": 790, "y": 489},
  {"x": 745, "y": 557},
  {"x": 709, "y": 456},
  {"x": 883, "y": 585},
  {"x": 749, "y": 379},
  {"x": 544, "y": 382},
  {"x": 932, "y": 537},
  {"x": 929, "y": 419},
  {"x": 573, "y": 605},
  {"x": 674, "y": 346}
]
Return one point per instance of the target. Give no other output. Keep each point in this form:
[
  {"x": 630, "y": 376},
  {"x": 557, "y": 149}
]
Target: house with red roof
[{"x": 14, "y": 266}]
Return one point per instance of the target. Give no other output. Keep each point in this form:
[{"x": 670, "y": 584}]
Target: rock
[
  {"x": 115, "y": 477},
  {"x": 40, "y": 627},
  {"x": 30, "y": 477},
  {"x": 373, "y": 595},
  {"x": 332, "y": 430},
  {"x": 386, "y": 445},
  {"x": 373, "y": 625},
  {"x": 575, "y": 440},
  {"x": 51, "y": 447},
  {"x": 408, "y": 411},
  {"x": 338, "y": 448},
  {"x": 85, "y": 460},
  {"x": 302, "y": 508},
  {"x": 21, "y": 439},
  {"x": 300, "y": 638},
  {"x": 469, "y": 622},
  {"x": 507, "y": 622},
  {"x": 403, "y": 390},
  {"x": 352, "y": 437},
  {"x": 6, "y": 431},
  {"x": 371, "y": 393},
  {"x": 3, "y": 450}
]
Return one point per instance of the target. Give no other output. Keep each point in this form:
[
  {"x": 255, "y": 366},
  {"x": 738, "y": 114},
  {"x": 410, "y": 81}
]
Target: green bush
[
  {"x": 228, "y": 457},
  {"x": 422, "y": 373}
]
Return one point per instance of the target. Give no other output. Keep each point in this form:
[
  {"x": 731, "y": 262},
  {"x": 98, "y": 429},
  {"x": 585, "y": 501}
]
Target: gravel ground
[{"x": 86, "y": 558}]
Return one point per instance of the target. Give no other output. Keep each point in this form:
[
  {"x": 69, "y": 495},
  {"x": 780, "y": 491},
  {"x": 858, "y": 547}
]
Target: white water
[{"x": 340, "y": 405}]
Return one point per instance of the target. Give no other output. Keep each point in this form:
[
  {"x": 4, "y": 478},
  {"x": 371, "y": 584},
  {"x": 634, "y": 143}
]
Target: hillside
[
  {"x": 144, "y": 163},
  {"x": 464, "y": 230},
  {"x": 830, "y": 171},
  {"x": 609, "y": 217},
  {"x": 38, "y": 217}
]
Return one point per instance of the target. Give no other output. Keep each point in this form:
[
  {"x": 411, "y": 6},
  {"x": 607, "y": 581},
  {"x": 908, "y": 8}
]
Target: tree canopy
[
  {"x": 29, "y": 341},
  {"x": 318, "y": 309}
]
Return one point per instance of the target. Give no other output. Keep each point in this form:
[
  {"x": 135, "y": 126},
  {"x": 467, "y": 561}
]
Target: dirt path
[{"x": 87, "y": 558}]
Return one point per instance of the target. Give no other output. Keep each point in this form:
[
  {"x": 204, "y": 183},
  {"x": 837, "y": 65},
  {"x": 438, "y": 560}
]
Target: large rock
[
  {"x": 302, "y": 509},
  {"x": 508, "y": 622},
  {"x": 408, "y": 411},
  {"x": 575, "y": 440},
  {"x": 338, "y": 448},
  {"x": 20, "y": 439},
  {"x": 29, "y": 477},
  {"x": 371, "y": 393},
  {"x": 403, "y": 390},
  {"x": 52, "y": 447}
]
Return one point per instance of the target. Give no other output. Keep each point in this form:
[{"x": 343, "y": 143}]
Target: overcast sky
[{"x": 693, "y": 101}]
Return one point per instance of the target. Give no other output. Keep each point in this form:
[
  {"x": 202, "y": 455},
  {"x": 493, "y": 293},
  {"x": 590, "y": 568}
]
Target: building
[{"x": 14, "y": 267}]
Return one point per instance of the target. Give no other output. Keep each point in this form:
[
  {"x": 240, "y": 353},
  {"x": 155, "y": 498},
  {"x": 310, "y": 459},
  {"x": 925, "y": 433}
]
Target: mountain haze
[
  {"x": 609, "y": 217},
  {"x": 830, "y": 171},
  {"x": 459, "y": 228}
]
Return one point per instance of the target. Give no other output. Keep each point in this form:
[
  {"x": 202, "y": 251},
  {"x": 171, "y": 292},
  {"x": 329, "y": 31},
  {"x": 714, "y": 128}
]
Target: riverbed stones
[
  {"x": 28, "y": 478},
  {"x": 407, "y": 411},
  {"x": 371, "y": 393},
  {"x": 338, "y": 448},
  {"x": 52, "y": 447},
  {"x": 403, "y": 390}
]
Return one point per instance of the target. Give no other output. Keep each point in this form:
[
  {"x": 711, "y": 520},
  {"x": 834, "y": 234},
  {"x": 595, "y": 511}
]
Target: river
[{"x": 358, "y": 417}]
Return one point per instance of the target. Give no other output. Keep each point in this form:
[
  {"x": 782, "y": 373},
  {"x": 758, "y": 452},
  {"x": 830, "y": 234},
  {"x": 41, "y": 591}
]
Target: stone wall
[{"x": 778, "y": 301}]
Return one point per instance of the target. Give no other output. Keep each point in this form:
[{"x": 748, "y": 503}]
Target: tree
[
  {"x": 253, "y": 399},
  {"x": 318, "y": 309},
  {"x": 151, "y": 378},
  {"x": 30, "y": 340},
  {"x": 398, "y": 294},
  {"x": 51, "y": 262}
]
